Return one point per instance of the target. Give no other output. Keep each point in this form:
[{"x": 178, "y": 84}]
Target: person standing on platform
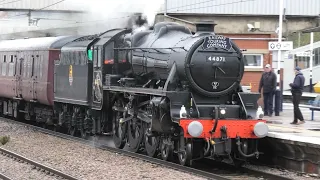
[
  {"x": 268, "y": 82},
  {"x": 296, "y": 90}
]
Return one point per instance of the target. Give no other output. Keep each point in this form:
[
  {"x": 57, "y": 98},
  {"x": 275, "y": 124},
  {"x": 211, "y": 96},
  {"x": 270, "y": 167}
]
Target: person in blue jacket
[{"x": 296, "y": 90}]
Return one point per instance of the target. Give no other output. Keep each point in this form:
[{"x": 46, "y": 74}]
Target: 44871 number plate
[{"x": 215, "y": 59}]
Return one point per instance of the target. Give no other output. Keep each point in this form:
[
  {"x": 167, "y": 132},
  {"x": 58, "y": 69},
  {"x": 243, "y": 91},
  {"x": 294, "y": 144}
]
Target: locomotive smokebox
[{"x": 205, "y": 26}]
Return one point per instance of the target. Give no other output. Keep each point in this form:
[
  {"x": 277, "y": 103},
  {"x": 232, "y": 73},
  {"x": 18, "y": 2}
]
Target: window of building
[
  {"x": 253, "y": 60},
  {"x": 302, "y": 59}
]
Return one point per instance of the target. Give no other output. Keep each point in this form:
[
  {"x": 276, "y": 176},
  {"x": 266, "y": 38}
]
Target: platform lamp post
[
  {"x": 311, "y": 59},
  {"x": 278, "y": 90}
]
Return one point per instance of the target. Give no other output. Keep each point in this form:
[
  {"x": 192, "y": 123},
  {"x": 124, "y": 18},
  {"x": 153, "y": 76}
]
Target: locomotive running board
[{"x": 133, "y": 90}]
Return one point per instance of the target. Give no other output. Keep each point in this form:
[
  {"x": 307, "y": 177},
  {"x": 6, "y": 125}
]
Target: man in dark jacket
[
  {"x": 268, "y": 82},
  {"x": 296, "y": 90}
]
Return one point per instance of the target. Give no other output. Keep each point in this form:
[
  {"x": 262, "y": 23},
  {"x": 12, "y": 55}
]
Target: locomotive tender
[{"x": 165, "y": 90}]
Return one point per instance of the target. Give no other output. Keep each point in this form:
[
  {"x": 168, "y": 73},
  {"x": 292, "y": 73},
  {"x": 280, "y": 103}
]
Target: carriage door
[
  {"x": 18, "y": 74},
  {"x": 97, "y": 91},
  {"x": 34, "y": 78}
]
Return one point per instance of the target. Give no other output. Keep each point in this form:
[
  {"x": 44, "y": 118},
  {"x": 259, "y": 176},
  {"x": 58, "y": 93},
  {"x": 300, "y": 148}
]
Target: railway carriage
[
  {"x": 166, "y": 91},
  {"x": 26, "y": 77}
]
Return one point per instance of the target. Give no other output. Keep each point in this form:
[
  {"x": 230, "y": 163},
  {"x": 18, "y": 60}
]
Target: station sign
[{"x": 282, "y": 46}]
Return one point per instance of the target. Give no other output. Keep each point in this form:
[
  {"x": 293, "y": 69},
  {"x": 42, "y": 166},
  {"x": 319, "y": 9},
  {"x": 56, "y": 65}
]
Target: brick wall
[{"x": 253, "y": 76}]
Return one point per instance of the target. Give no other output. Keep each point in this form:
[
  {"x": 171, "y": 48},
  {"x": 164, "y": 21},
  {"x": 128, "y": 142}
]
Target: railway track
[
  {"x": 4, "y": 177},
  {"x": 205, "y": 171},
  {"x": 36, "y": 165}
]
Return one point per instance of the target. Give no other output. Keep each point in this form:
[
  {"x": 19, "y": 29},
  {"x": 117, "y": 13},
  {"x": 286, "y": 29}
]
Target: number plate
[{"x": 216, "y": 59}]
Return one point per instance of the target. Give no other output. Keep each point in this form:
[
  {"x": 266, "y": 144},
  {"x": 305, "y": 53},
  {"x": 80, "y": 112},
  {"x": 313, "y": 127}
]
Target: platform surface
[
  {"x": 280, "y": 127},
  {"x": 304, "y": 94}
]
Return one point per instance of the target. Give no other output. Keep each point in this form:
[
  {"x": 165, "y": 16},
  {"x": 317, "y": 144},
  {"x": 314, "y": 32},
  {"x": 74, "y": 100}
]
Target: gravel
[{"x": 76, "y": 159}]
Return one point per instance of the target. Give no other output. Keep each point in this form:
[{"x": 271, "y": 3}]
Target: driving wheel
[
  {"x": 152, "y": 144},
  {"x": 118, "y": 128},
  {"x": 166, "y": 150},
  {"x": 135, "y": 134}
]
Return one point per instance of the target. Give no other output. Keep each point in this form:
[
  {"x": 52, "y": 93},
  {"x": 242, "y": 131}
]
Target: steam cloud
[{"x": 100, "y": 16}]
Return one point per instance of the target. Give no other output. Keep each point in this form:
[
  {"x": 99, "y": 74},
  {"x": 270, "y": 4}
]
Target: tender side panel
[{"x": 71, "y": 78}]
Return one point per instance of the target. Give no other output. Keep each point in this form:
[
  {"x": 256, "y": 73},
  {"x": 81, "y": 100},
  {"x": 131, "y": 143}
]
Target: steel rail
[
  {"x": 4, "y": 177},
  {"x": 160, "y": 162},
  {"x": 31, "y": 162}
]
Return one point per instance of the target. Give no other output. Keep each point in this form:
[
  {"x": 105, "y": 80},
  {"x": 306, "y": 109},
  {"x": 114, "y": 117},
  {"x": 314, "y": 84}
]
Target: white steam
[
  {"x": 100, "y": 16},
  {"x": 105, "y": 9}
]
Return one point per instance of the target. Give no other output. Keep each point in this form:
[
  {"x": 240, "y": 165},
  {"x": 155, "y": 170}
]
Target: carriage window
[
  {"x": 83, "y": 58},
  {"x": 40, "y": 61},
  {"x": 11, "y": 66},
  {"x": 95, "y": 56},
  {"x": 21, "y": 65},
  {"x": 61, "y": 58},
  {"x": 78, "y": 59},
  {"x": 73, "y": 57},
  {"x": 25, "y": 66},
  {"x": 66, "y": 58},
  {"x": 109, "y": 53},
  {"x": 4, "y": 66},
  {"x": 99, "y": 57},
  {"x": 16, "y": 68},
  {"x": 11, "y": 69},
  {"x": 33, "y": 66}
]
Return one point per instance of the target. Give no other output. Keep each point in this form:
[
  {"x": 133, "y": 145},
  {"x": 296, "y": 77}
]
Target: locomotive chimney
[{"x": 205, "y": 26}]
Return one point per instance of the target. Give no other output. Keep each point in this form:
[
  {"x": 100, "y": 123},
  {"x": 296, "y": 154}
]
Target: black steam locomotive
[{"x": 164, "y": 90}]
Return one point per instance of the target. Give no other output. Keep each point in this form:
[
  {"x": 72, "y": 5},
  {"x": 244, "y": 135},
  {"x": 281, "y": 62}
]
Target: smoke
[
  {"x": 109, "y": 9},
  {"x": 100, "y": 16},
  {"x": 108, "y": 14}
]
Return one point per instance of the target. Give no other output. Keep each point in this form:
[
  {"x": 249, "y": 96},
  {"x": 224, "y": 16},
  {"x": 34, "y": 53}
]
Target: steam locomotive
[{"x": 166, "y": 91}]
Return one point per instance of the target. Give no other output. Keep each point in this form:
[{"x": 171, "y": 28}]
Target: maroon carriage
[{"x": 26, "y": 70}]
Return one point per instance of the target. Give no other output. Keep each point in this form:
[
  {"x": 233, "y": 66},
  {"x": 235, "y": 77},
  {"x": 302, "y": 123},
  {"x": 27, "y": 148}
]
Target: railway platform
[
  {"x": 295, "y": 147},
  {"x": 306, "y": 97}
]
